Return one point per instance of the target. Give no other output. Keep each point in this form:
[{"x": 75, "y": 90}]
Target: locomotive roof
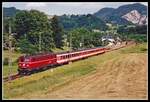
[
  {"x": 51, "y": 53},
  {"x": 39, "y": 54},
  {"x": 78, "y": 50}
]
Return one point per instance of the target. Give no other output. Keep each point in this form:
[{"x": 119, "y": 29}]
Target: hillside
[
  {"x": 104, "y": 12},
  {"x": 77, "y": 21},
  {"x": 68, "y": 21},
  {"x": 136, "y": 18},
  {"x": 117, "y": 74},
  {"x": 115, "y": 15},
  {"x": 9, "y": 12},
  {"x": 115, "y": 79}
]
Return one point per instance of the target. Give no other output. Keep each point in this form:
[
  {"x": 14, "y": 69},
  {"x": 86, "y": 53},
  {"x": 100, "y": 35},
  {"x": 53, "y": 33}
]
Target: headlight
[{"x": 23, "y": 64}]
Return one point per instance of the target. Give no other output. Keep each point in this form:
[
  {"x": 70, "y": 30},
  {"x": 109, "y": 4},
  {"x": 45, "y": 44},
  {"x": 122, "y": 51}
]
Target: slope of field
[
  {"x": 120, "y": 74},
  {"x": 123, "y": 78}
]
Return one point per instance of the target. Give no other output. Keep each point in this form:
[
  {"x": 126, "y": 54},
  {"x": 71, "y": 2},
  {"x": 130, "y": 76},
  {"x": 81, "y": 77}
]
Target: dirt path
[{"x": 123, "y": 78}]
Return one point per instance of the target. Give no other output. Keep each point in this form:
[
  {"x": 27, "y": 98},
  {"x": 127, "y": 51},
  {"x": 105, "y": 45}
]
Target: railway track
[
  {"x": 12, "y": 77},
  {"x": 15, "y": 76}
]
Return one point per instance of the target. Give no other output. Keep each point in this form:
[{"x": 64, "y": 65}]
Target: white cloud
[
  {"x": 35, "y": 4},
  {"x": 144, "y": 3}
]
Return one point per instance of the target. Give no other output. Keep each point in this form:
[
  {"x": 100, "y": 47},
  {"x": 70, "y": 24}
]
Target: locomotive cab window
[{"x": 26, "y": 60}]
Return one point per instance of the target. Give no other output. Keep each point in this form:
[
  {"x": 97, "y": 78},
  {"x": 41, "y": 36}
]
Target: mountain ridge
[
  {"x": 115, "y": 15},
  {"x": 9, "y": 11},
  {"x": 107, "y": 14}
]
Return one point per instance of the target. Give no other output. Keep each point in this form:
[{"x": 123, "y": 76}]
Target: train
[{"x": 32, "y": 63}]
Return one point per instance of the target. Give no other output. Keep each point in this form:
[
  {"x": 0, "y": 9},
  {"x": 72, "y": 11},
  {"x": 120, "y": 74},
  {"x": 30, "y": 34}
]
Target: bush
[
  {"x": 6, "y": 61},
  {"x": 26, "y": 47},
  {"x": 138, "y": 37},
  {"x": 16, "y": 61}
]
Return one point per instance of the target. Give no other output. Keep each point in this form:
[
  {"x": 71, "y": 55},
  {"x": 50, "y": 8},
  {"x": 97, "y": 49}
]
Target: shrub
[{"x": 6, "y": 61}]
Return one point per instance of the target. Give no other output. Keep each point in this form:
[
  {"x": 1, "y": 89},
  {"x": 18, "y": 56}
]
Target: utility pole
[
  {"x": 39, "y": 42},
  {"x": 70, "y": 40},
  {"x": 10, "y": 49},
  {"x": 82, "y": 41}
]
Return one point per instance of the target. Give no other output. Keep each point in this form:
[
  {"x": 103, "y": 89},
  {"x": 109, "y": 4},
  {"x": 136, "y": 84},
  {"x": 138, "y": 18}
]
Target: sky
[{"x": 60, "y": 8}]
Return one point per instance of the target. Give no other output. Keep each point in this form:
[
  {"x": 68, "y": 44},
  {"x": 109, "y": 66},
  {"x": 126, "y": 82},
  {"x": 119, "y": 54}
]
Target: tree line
[
  {"x": 34, "y": 32},
  {"x": 33, "y": 28}
]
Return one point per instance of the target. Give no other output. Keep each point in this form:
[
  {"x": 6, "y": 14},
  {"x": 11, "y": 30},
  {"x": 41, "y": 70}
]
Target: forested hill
[
  {"x": 9, "y": 12},
  {"x": 77, "y": 21},
  {"x": 69, "y": 21},
  {"x": 116, "y": 15}
]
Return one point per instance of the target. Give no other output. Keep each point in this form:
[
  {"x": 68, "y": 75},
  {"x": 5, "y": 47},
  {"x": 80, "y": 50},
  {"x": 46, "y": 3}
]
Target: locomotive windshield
[{"x": 26, "y": 60}]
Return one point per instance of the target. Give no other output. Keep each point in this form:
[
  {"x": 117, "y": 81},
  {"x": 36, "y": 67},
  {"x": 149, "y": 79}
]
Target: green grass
[
  {"x": 7, "y": 71},
  {"x": 48, "y": 81},
  {"x": 44, "y": 80},
  {"x": 61, "y": 50},
  {"x": 14, "y": 57},
  {"x": 140, "y": 48}
]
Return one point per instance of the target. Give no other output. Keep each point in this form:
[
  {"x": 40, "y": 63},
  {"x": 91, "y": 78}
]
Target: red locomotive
[{"x": 28, "y": 64}]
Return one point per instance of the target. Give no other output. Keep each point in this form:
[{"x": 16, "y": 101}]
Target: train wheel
[
  {"x": 28, "y": 73},
  {"x": 19, "y": 72},
  {"x": 34, "y": 71}
]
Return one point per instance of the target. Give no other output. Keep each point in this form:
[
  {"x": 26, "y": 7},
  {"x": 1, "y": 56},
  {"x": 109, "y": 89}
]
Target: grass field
[
  {"x": 42, "y": 84},
  {"x": 14, "y": 56}
]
